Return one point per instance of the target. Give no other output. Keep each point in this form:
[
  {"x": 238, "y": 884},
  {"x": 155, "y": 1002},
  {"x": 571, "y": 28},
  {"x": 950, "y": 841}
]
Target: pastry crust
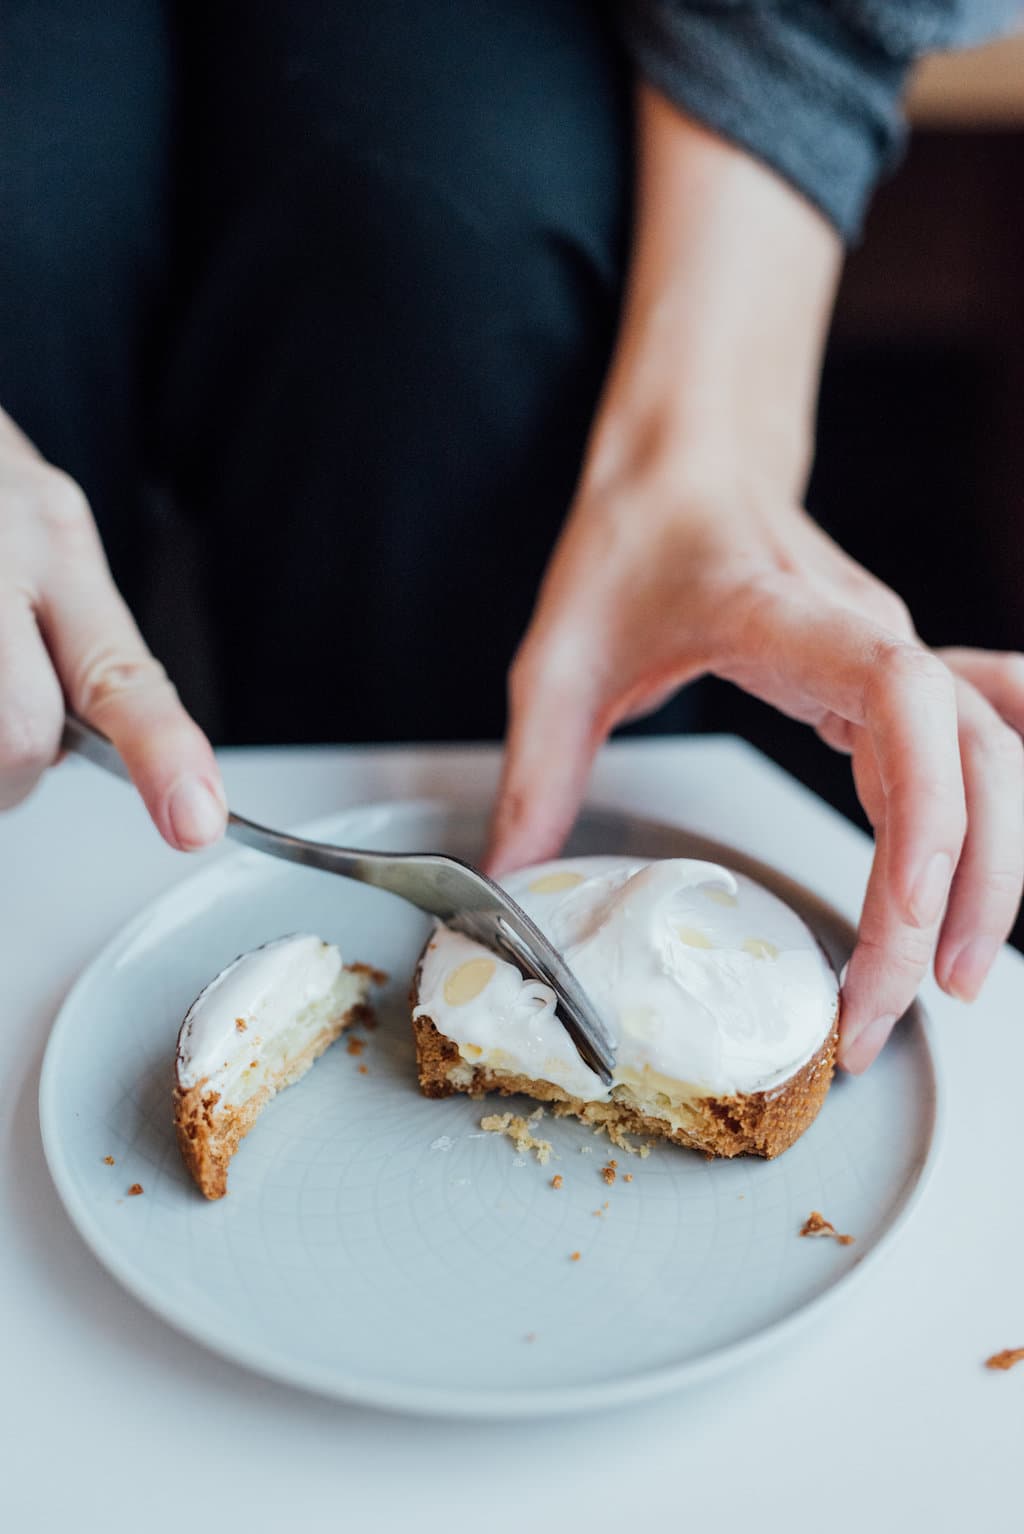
[
  {"x": 208, "y": 1137},
  {"x": 755, "y": 1123}
]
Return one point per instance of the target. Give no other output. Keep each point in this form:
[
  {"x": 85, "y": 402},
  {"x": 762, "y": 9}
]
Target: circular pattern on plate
[{"x": 380, "y": 1247}]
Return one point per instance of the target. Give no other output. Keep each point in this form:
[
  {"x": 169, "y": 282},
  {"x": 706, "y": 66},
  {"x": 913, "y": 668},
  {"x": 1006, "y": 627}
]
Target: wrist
[{"x": 730, "y": 290}]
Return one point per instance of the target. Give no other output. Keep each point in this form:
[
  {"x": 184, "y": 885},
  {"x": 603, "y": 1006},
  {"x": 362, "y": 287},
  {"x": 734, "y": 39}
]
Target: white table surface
[{"x": 882, "y": 1416}]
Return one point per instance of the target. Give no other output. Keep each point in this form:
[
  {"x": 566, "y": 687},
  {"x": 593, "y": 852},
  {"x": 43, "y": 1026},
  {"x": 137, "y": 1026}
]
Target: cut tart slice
[
  {"x": 257, "y": 1027},
  {"x": 721, "y": 1002}
]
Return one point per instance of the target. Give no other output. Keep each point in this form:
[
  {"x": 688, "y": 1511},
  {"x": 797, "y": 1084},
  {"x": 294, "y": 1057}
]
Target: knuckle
[
  {"x": 904, "y": 957},
  {"x": 892, "y": 611},
  {"x": 1001, "y": 747},
  {"x": 879, "y": 601},
  {"x": 112, "y": 678},
  {"x": 61, "y": 505},
  {"x": 903, "y": 665}
]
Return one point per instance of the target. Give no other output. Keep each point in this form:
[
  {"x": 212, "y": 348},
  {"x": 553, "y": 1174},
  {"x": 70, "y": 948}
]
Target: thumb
[{"x": 552, "y": 738}]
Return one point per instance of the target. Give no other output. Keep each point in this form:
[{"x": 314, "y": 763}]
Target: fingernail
[
  {"x": 858, "y": 1052},
  {"x": 930, "y": 891},
  {"x": 970, "y": 968},
  {"x": 196, "y": 813}
]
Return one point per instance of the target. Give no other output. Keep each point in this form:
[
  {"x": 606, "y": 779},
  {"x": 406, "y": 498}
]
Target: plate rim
[{"x": 437, "y": 1400}]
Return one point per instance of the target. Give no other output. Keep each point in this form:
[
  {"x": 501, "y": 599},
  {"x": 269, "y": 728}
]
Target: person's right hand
[{"x": 65, "y": 633}]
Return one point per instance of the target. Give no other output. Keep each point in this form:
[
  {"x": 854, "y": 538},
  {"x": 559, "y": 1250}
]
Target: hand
[
  {"x": 657, "y": 582},
  {"x": 65, "y": 632}
]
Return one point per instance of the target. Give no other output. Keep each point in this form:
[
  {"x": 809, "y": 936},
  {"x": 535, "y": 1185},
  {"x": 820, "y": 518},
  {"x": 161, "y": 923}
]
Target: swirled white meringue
[{"x": 705, "y": 980}]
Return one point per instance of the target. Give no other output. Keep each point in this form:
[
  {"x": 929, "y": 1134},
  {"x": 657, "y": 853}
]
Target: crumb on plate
[
  {"x": 520, "y": 1131},
  {"x": 817, "y": 1225},
  {"x": 108, "y": 1161},
  {"x": 574, "y": 1256},
  {"x": 556, "y": 1181},
  {"x": 1006, "y": 1359},
  {"x": 135, "y": 1190}
]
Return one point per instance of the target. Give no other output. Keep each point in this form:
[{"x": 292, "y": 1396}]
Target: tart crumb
[
  {"x": 817, "y": 1225},
  {"x": 241, "y": 1025},
  {"x": 1006, "y": 1359},
  {"x": 108, "y": 1161},
  {"x": 363, "y": 1071},
  {"x": 627, "y": 1177},
  {"x": 609, "y": 1172},
  {"x": 574, "y": 1256},
  {"x": 355, "y": 1046},
  {"x": 520, "y": 1131},
  {"x": 135, "y": 1190},
  {"x": 376, "y": 976},
  {"x": 253, "y": 1064},
  {"x": 556, "y": 1181}
]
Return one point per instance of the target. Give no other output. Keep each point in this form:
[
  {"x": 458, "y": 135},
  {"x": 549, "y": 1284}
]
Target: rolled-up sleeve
[{"x": 811, "y": 87}]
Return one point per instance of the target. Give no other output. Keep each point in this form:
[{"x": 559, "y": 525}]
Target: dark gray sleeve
[{"x": 812, "y": 87}]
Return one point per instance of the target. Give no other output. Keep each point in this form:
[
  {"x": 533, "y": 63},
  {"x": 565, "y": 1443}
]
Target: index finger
[
  {"x": 910, "y": 729},
  {"x": 110, "y": 677},
  {"x": 902, "y": 701}
]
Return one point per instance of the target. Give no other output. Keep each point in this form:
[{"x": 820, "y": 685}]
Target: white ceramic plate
[{"x": 378, "y": 1247}]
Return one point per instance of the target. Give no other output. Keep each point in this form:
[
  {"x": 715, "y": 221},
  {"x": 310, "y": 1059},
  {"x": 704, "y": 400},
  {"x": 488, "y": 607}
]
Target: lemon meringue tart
[
  {"x": 256, "y": 1028},
  {"x": 721, "y": 1003}
]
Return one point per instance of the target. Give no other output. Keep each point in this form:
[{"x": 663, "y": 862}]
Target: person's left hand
[{"x": 657, "y": 581}]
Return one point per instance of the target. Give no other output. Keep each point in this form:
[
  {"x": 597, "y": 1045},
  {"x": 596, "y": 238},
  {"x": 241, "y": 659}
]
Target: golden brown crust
[
  {"x": 755, "y": 1124},
  {"x": 208, "y": 1139}
]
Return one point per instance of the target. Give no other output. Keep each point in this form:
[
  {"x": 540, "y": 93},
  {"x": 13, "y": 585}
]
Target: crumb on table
[
  {"x": 1006, "y": 1359},
  {"x": 240, "y": 1025},
  {"x": 520, "y": 1131},
  {"x": 627, "y": 1177},
  {"x": 363, "y": 1070},
  {"x": 556, "y": 1181},
  {"x": 817, "y": 1225},
  {"x": 610, "y": 1172},
  {"x": 574, "y": 1256},
  {"x": 355, "y": 1046},
  {"x": 108, "y": 1161},
  {"x": 135, "y": 1190}
]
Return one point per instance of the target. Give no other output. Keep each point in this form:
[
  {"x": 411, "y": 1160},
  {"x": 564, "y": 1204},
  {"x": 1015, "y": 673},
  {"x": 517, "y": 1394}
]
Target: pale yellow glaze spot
[
  {"x": 760, "y": 948},
  {"x": 551, "y": 884},
  {"x": 471, "y": 1051},
  {"x": 694, "y": 938},
  {"x": 720, "y": 897},
  {"x": 465, "y": 983}
]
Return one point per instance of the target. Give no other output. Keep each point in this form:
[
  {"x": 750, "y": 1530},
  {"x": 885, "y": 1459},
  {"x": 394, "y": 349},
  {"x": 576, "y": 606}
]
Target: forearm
[{"x": 730, "y": 291}]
